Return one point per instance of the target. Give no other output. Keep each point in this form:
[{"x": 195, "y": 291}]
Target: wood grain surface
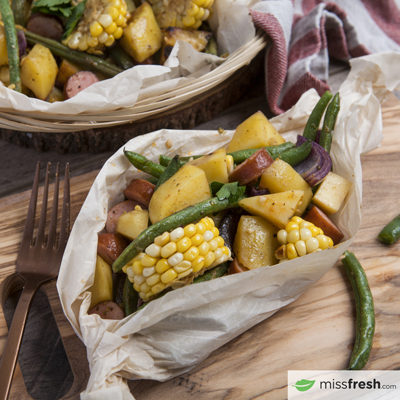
[{"x": 315, "y": 332}]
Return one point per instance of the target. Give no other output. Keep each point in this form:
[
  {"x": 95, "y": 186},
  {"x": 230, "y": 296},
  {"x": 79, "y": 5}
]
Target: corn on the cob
[
  {"x": 102, "y": 23},
  {"x": 188, "y": 14},
  {"x": 176, "y": 258},
  {"x": 299, "y": 238}
]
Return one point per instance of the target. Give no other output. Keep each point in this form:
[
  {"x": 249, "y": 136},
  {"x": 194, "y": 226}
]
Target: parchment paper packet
[
  {"x": 233, "y": 27},
  {"x": 173, "y": 334}
]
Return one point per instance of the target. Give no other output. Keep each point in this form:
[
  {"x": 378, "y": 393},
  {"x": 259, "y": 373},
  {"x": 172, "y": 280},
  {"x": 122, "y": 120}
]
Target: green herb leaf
[
  {"x": 76, "y": 15},
  {"x": 231, "y": 191},
  {"x": 61, "y": 8}
]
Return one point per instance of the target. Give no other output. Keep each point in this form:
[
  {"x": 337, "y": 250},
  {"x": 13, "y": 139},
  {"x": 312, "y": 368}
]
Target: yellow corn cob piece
[
  {"x": 101, "y": 24},
  {"x": 299, "y": 238},
  {"x": 187, "y": 14},
  {"x": 176, "y": 258}
]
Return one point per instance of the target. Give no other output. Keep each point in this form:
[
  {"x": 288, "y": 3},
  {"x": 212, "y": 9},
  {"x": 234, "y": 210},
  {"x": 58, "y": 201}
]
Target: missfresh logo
[{"x": 303, "y": 385}]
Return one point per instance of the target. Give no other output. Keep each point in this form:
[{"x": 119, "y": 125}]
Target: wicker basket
[{"x": 55, "y": 123}]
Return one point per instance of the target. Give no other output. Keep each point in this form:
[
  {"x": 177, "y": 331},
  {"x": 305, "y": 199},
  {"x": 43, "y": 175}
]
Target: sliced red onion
[
  {"x": 21, "y": 43},
  {"x": 316, "y": 166}
]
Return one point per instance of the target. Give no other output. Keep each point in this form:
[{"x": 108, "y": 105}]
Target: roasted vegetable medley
[
  {"x": 259, "y": 202},
  {"x": 53, "y": 49}
]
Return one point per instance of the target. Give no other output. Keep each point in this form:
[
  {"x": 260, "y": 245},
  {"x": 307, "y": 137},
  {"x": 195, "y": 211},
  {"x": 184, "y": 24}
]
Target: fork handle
[{"x": 11, "y": 349}]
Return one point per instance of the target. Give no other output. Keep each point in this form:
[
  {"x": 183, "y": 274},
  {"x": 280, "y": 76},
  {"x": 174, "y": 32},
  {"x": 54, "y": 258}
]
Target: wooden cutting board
[{"x": 315, "y": 332}]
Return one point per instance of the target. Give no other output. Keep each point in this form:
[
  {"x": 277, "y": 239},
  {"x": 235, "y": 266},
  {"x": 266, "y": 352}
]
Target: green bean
[
  {"x": 165, "y": 160},
  {"x": 130, "y": 297},
  {"x": 391, "y": 232},
  {"x": 143, "y": 164},
  {"x": 152, "y": 179},
  {"x": 180, "y": 218},
  {"x": 19, "y": 9},
  {"x": 120, "y": 57},
  {"x": 173, "y": 167},
  {"x": 328, "y": 126},
  {"x": 213, "y": 273},
  {"x": 274, "y": 151},
  {"x": 12, "y": 44},
  {"x": 365, "y": 311},
  {"x": 297, "y": 154},
  {"x": 312, "y": 125}
]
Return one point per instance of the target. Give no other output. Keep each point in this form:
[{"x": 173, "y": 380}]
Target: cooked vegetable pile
[{"x": 53, "y": 49}]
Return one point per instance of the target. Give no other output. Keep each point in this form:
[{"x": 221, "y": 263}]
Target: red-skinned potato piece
[
  {"x": 252, "y": 168},
  {"x": 321, "y": 220},
  {"x": 108, "y": 310},
  {"x": 140, "y": 190},
  {"x": 110, "y": 246},
  {"x": 78, "y": 82},
  {"x": 236, "y": 267},
  {"x": 115, "y": 212}
]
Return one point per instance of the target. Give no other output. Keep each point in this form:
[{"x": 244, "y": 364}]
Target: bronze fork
[{"x": 38, "y": 261}]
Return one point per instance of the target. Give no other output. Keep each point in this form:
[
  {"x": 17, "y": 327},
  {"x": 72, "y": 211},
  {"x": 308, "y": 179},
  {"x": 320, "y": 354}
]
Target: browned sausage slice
[
  {"x": 108, "y": 310},
  {"x": 140, "y": 190},
  {"x": 79, "y": 81},
  {"x": 252, "y": 168},
  {"x": 45, "y": 25},
  {"x": 120, "y": 208},
  {"x": 110, "y": 246}
]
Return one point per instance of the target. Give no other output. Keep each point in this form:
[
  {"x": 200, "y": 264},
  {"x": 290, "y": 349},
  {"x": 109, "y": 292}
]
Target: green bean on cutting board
[
  {"x": 365, "y": 319},
  {"x": 325, "y": 139},
  {"x": 314, "y": 120},
  {"x": 12, "y": 44},
  {"x": 391, "y": 232}
]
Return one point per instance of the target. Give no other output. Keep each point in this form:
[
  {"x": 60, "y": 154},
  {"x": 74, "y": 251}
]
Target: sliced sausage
[
  {"x": 120, "y": 208},
  {"x": 110, "y": 246},
  {"x": 235, "y": 267},
  {"x": 45, "y": 25},
  {"x": 252, "y": 168},
  {"x": 140, "y": 190},
  {"x": 78, "y": 82},
  {"x": 108, "y": 310}
]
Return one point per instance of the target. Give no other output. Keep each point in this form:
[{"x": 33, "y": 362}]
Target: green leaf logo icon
[{"x": 304, "y": 385}]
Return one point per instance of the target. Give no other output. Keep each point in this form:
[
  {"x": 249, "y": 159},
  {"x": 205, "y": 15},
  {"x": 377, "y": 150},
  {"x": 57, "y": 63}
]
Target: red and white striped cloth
[{"x": 306, "y": 33}]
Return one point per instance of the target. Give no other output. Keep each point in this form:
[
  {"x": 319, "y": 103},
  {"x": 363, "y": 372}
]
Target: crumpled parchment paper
[{"x": 148, "y": 344}]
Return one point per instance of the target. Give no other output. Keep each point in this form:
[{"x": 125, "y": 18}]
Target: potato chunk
[
  {"x": 185, "y": 188},
  {"x": 39, "y": 71},
  {"x": 331, "y": 193},
  {"x": 132, "y": 223},
  {"x": 142, "y": 37},
  {"x": 3, "y": 46},
  {"x": 255, "y": 244},
  {"x": 256, "y": 131},
  {"x": 102, "y": 288}
]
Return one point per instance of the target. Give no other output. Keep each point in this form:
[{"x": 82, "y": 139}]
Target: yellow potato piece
[
  {"x": 131, "y": 224},
  {"x": 277, "y": 208},
  {"x": 331, "y": 193},
  {"x": 102, "y": 288},
  {"x": 255, "y": 243},
  {"x": 281, "y": 177},
  {"x": 39, "y": 71},
  {"x": 256, "y": 131},
  {"x": 3, "y": 46}
]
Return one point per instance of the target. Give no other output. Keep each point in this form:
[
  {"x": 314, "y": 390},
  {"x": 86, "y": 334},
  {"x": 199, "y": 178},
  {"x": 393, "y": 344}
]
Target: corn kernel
[
  {"x": 213, "y": 245},
  {"x": 208, "y": 222},
  {"x": 228, "y": 159},
  {"x": 162, "y": 266},
  {"x": 168, "y": 250},
  {"x": 145, "y": 288},
  {"x": 226, "y": 251},
  {"x": 199, "y": 2},
  {"x": 153, "y": 250},
  {"x": 197, "y": 239},
  {"x": 201, "y": 228},
  {"x": 330, "y": 241},
  {"x": 130, "y": 272},
  {"x": 92, "y": 41},
  {"x": 153, "y": 279},
  {"x": 111, "y": 29},
  {"x": 301, "y": 248},
  {"x": 157, "y": 288},
  {"x": 208, "y": 235},
  {"x": 204, "y": 248},
  {"x": 220, "y": 241},
  {"x": 177, "y": 234},
  {"x": 323, "y": 241},
  {"x": 162, "y": 240},
  {"x": 175, "y": 259},
  {"x": 209, "y": 259},
  {"x": 95, "y": 29},
  {"x": 139, "y": 279},
  {"x": 198, "y": 264},
  {"x": 113, "y": 12},
  {"x": 291, "y": 226},
  {"x": 185, "y": 273},
  {"x": 282, "y": 236},
  {"x": 190, "y": 230},
  {"x": 105, "y": 20},
  {"x": 148, "y": 271},
  {"x": 188, "y": 20},
  {"x": 118, "y": 33},
  {"x": 120, "y": 20},
  {"x": 305, "y": 234},
  {"x": 218, "y": 253},
  {"x": 280, "y": 252},
  {"x": 109, "y": 41},
  {"x": 143, "y": 296},
  {"x": 138, "y": 268},
  {"x": 312, "y": 244},
  {"x": 293, "y": 236},
  {"x": 314, "y": 230},
  {"x": 115, "y": 3},
  {"x": 168, "y": 276},
  {"x": 136, "y": 287},
  {"x": 291, "y": 251},
  {"x": 184, "y": 244},
  {"x": 191, "y": 254},
  {"x": 215, "y": 231},
  {"x": 193, "y": 9},
  {"x": 148, "y": 261},
  {"x": 182, "y": 266},
  {"x": 206, "y": 13},
  {"x": 305, "y": 224},
  {"x": 296, "y": 220},
  {"x": 83, "y": 46},
  {"x": 197, "y": 23},
  {"x": 102, "y": 38}
]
